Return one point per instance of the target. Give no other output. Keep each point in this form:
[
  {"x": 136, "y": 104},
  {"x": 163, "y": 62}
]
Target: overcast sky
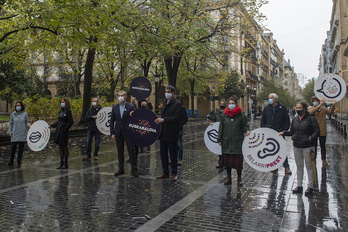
[{"x": 300, "y": 27}]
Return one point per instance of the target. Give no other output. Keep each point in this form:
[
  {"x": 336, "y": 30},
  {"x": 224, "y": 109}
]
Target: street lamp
[{"x": 157, "y": 76}]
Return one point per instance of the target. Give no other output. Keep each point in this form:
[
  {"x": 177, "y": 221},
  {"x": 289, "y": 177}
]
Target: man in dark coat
[
  {"x": 118, "y": 126},
  {"x": 275, "y": 116},
  {"x": 170, "y": 127},
  {"x": 91, "y": 116}
]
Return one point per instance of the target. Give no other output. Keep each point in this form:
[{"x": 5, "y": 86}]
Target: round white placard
[
  {"x": 264, "y": 150},
  {"x": 211, "y": 138},
  {"x": 38, "y": 135},
  {"x": 330, "y": 87},
  {"x": 103, "y": 120}
]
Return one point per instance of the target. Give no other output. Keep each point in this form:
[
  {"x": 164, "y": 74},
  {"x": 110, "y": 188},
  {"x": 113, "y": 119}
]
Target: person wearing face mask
[
  {"x": 275, "y": 116},
  {"x": 233, "y": 126},
  {"x": 19, "y": 122},
  {"x": 170, "y": 127},
  {"x": 320, "y": 112},
  {"x": 144, "y": 105},
  {"x": 304, "y": 131},
  {"x": 92, "y": 131},
  {"x": 216, "y": 118},
  {"x": 64, "y": 123},
  {"x": 118, "y": 126}
]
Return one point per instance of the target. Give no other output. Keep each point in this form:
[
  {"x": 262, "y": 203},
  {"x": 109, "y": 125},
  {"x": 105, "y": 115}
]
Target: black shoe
[
  {"x": 135, "y": 173},
  {"x": 119, "y": 172},
  {"x": 298, "y": 189},
  {"x": 219, "y": 166},
  {"x": 239, "y": 182},
  {"x": 65, "y": 165},
  {"x": 61, "y": 165},
  {"x": 309, "y": 191},
  {"x": 10, "y": 164}
]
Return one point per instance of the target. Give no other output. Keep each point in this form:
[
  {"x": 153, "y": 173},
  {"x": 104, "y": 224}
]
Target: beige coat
[{"x": 320, "y": 113}]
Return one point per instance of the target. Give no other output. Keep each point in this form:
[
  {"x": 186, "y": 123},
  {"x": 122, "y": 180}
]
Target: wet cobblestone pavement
[{"x": 87, "y": 197}]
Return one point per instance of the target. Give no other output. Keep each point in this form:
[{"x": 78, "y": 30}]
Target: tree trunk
[
  {"x": 192, "y": 93},
  {"x": 112, "y": 91},
  {"x": 77, "y": 84},
  {"x": 172, "y": 68},
  {"x": 87, "y": 85}
]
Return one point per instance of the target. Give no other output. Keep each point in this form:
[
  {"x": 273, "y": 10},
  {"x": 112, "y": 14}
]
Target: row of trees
[{"x": 117, "y": 40}]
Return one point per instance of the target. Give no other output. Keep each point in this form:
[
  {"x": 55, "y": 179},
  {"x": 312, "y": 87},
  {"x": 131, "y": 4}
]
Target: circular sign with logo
[
  {"x": 140, "y": 88},
  {"x": 103, "y": 120},
  {"x": 264, "y": 150},
  {"x": 38, "y": 135},
  {"x": 142, "y": 129},
  {"x": 211, "y": 138},
  {"x": 330, "y": 87}
]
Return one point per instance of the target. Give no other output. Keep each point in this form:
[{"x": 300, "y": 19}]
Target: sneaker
[
  {"x": 95, "y": 157},
  {"x": 309, "y": 191},
  {"x": 298, "y": 189},
  {"x": 288, "y": 171},
  {"x": 86, "y": 158}
]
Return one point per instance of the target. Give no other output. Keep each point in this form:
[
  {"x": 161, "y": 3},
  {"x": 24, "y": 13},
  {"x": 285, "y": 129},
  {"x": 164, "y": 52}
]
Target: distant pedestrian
[
  {"x": 183, "y": 121},
  {"x": 275, "y": 116},
  {"x": 233, "y": 126},
  {"x": 170, "y": 127},
  {"x": 19, "y": 122},
  {"x": 118, "y": 126},
  {"x": 320, "y": 112},
  {"x": 304, "y": 131},
  {"x": 149, "y": 105},
  {"x": 64, "y": 123},
  {"x": 93, "y": 131},
  {"x": 216, "y": 116}
]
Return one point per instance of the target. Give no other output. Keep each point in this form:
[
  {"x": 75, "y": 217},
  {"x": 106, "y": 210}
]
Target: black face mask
[
  {"x": 222, "y": 107},
  {"x": 143, "y": 107}
]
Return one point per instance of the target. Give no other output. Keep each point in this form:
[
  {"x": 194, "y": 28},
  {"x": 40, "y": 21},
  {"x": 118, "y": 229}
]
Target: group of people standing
[{"x": 305, "y": 129}]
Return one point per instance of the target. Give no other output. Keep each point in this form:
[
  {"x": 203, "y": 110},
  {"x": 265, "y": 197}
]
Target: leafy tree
[
  {"x": 232, "y": 85},
  {"x": 308, "y": 91}
]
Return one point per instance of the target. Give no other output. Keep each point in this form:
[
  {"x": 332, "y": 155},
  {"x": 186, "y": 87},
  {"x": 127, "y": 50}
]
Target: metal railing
[{"x": 339, "y": 126}]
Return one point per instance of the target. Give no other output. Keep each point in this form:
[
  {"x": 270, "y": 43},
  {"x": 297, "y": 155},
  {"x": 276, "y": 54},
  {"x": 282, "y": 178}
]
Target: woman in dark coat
[
  {"x": 233, "y": 125},
  {"x": 65, "y": 121},
  {"x": 304, "y": 132}
]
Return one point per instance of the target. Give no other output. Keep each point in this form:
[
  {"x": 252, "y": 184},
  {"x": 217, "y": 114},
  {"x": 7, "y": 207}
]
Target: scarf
[{"x": 231, "y": 113}]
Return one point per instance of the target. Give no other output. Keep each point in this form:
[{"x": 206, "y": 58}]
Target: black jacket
[
  {"x": 65, "y": 121},
  {"x": 118, "y": 124},
  {"x": 91, "y": 121},
  {"x": 302, "y": 130},
  {"x": 278, "y": 120},
  {"x": 171, "y": 113},
  {"x": 184, "y": 118}
]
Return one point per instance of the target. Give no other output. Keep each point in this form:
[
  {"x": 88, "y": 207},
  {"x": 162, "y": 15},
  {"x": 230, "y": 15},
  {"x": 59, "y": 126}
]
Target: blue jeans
[
  {"x": 90, "y": 135},
  {"x": 180, "y": 147}
]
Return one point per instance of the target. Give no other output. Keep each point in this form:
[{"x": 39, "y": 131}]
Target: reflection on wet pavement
[{"x": 87, "y": 197}]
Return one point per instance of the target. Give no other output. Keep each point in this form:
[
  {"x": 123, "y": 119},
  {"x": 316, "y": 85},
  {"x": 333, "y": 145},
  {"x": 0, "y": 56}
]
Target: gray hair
[
  {"x": 275, "y": 96},
  {"x": 124, "y": 92}
]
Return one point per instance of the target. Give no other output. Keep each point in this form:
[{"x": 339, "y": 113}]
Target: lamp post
[
  {"x": 255, "y": 103},
  {"x": 157, "y": 76}
]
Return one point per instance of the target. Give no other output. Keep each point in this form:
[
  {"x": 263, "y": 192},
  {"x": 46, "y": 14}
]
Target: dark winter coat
[
  {"x": 231, "y": 133},
  {"x": 277, "y": 118},
  {"x": 118, "y": 124},
  {"x": 171, "y": 113},
  {"x": 91, "y": 121},
  {"x": 302, "y": 130},
  {"x": 184, "y": 117},
  {"x": 65, "y": 121}
]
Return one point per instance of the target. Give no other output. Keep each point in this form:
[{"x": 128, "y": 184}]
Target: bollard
[{"x": 341, "y": 128}]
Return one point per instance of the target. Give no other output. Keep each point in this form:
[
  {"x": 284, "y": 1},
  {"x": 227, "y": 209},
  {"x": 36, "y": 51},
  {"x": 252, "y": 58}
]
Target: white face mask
[
  {"x": 94, "y": 103},
  {"x": 121, "y": 99},
  {"x": 168, "y": 95},
  {"x": 232, "y": 106}
]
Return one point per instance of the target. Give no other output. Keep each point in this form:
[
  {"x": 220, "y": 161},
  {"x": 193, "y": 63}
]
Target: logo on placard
[
  {"x": 143, "y": 127},
  {"x": 330, "y": 88},
  {"x": 107, "y": 123},
  {"x": 213, "y": 135},
  {"x": 267, "y": 151},
  {"x": 35, "y": 137}
]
